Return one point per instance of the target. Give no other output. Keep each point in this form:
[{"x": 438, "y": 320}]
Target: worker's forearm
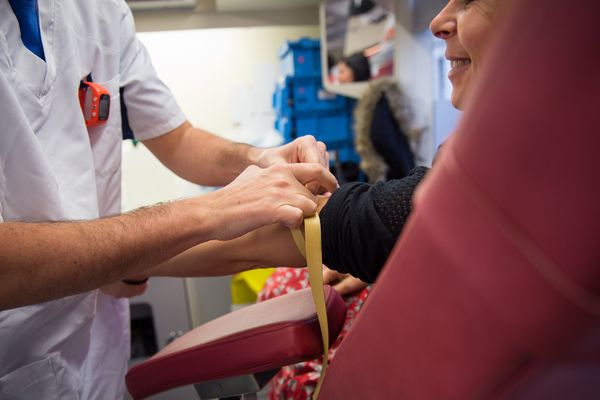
[
  {"x": 200, "y": 157},
  {"x": 44, "y": 261},
  {"x": 229, "y": 157},
  {"x": 269, "y": 246}
]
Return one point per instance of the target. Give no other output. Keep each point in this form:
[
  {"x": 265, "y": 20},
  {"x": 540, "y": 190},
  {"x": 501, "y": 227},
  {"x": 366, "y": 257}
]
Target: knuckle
[
  {"x": 281, "y": 184},
  {"x": 298, "y": 217},
  {"x": 308, "y": 139},
  {"x": 315, "y": 168}
]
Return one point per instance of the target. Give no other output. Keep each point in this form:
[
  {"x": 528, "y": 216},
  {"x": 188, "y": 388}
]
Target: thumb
[{"x": 289, "y": 216}]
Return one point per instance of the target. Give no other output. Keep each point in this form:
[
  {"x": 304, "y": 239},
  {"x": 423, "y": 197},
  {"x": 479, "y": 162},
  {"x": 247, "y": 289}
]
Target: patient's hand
[{"x": 343, "y": 283}]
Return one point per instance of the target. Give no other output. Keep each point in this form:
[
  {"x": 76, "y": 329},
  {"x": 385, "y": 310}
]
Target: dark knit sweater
[{"x": 361, "y": 222}]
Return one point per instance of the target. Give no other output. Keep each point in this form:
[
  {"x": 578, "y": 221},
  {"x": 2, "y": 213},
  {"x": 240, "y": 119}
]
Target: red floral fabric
[{"x": 298, "y": 381}]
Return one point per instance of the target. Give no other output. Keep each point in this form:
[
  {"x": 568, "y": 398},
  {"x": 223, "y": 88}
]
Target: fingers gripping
[
  {"x": 309, "y": 150},
  {"x": 277, "y": 194},
  {"x": 314, "y": 174},
  {"x": 289, "y": 216}
]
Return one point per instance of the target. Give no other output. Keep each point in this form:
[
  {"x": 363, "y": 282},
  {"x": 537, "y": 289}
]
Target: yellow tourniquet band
[{"x": 310, "y": 247}]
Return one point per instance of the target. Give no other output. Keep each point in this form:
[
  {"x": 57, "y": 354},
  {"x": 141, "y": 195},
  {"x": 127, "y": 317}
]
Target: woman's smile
[{"x": 458, "y": 66}]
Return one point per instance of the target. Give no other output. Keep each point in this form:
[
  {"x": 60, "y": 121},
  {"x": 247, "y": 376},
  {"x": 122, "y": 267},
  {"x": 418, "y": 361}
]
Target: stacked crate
[{"x": 303, "y": 107}]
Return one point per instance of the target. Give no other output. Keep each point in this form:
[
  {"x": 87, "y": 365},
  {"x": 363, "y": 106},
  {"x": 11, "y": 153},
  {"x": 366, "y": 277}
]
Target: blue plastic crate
[
  {"x": 348, "y": 154},
  {"x": 282, "y": 100},
  {"x": 335, "y": 130},
  {"x": 285, "y": 126},
  {"x": 301, "y": 58},
  {"x": 309, "y": 96}
]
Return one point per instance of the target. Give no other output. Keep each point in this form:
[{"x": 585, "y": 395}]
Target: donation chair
[
  {"x": 493, "y": 289},
  {"x": 238, "y": 353}
]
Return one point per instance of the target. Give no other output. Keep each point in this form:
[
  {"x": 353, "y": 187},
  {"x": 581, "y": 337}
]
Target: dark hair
[{"x": 359, "y": 64}]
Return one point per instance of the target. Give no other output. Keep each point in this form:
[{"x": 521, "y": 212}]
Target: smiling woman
[{"x": 466, "y": 26}]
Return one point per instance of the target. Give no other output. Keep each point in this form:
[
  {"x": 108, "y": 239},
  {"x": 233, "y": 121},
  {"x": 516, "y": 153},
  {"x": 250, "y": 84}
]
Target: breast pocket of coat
[
  {"x": 43, "y": 379},
  {"x": 106, "y": 141}
]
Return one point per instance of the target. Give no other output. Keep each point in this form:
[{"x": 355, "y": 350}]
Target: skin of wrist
[
  {"x": 253, "y": 155},
  {"x": 196, "y": 219}
]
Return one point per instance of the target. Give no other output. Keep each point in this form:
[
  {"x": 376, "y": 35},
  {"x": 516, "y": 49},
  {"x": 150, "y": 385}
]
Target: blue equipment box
[
  {"x": 334, "y": 130},
  {"x": 306, "y": 97},
  {"x": 309, "y": 96},
  {"x": 282, "y": 99},
  {"x": 348, "y": 154},
  {"x": 301, "y": 58},
  {"x": 303, "y": 107},
  {"x": 285, "y": 126}
]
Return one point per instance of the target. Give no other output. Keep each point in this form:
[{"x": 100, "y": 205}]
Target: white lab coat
[{"x": 52, "y": 168}]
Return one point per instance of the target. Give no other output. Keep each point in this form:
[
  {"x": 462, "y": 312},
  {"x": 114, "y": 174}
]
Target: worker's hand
[
  {"x": 305, "y": 149},
  {"x": 343, "y": 283},
  {"x": 120, "y": 289},
  {"x": 264, "y": 196}
]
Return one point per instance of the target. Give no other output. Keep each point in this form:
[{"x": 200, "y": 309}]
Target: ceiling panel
[{"x": 240, "y": 5}]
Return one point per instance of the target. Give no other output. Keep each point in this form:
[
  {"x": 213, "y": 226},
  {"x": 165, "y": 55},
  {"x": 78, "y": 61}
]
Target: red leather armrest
[{"x": 261, "y": 337}]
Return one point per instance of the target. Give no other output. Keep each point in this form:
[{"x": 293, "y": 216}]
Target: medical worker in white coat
[{"x": 53, "y": 168}]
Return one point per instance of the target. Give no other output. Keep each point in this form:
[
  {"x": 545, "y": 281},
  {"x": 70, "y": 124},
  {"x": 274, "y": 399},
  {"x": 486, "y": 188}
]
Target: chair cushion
[{"x": 257, "y": 338}]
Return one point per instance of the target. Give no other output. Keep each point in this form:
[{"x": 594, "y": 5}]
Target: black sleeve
[{"x": 361, "y": 222}]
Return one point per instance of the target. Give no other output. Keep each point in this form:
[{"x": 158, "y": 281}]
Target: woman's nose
[{"x": 443, "y": 26}]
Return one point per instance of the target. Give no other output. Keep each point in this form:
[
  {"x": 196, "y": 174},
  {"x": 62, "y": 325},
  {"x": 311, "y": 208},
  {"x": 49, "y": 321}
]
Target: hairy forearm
[
  {"x": 200, "y": 157},
  {"x": 229, "y": 158},
  {"x": 45, "y": 261},
  {"x": 269, "y": 246}
]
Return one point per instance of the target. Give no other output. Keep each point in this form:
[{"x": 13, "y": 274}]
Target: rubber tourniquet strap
[{"x": 310, "y": 247}]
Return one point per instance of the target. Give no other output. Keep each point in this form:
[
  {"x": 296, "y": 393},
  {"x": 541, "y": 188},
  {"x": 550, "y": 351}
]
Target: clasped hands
[{"x": 281, "y": 188}]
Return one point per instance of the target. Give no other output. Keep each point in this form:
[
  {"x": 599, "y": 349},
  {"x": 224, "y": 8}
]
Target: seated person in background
[
  {"x": 385, "y": 139},
  {"x": 354, "y": 68}
]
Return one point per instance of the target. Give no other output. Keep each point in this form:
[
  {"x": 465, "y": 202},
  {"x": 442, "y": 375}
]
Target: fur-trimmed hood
[{"x": 371, "y": 162}]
